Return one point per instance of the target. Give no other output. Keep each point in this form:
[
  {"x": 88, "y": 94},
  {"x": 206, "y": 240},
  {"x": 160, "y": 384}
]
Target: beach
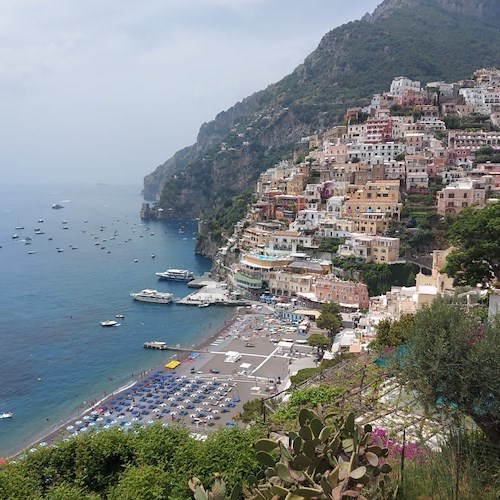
[{"x": 244, "y": 359}]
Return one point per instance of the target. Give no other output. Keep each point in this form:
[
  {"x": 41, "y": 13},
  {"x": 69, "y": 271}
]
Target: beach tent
[
  {"x": 172, "y": 364},
  {"x": 232, "y": 357}
]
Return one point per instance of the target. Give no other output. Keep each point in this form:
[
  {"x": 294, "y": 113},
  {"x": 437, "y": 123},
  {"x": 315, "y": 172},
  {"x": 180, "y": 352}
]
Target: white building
[{"x": 401, "y": 84}]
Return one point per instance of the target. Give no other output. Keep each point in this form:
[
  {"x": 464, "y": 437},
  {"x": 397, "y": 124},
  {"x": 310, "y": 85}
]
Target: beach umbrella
[
  {"x": 107, "y": 426},
  {"x": 192, "y": 415},
  {"x": 118, "y": 408},
  {"x": 156, "y": 396},
  {"x": 84, "y": 429},
  {"x": 70, "y": 428},
  {"x": 180, "y": 407},
  {"x": 171, "y": 399},
  {"x": 119, "y": 396},
  {"x": 205, "y": 403},
  {"x": 149, "y": 401},
  {"x": 215, "y": 411},
  {"x": 91, "y": 424},
  {"x": 142, "y": 407},
  {"x": 236, "y": 400},
  {"x": 104, "y": 407},
  {"x": 99, "y": 419},
  {"x": 78, "y": 422},
  {"x": 94, "y": 412},
  {"x": 113, "y": 401},
  {"x": 121, "y": 416},
  {"x": 86, "y": 417},
  {"x": 135, "y": 412},
  {"x": 165, "y": 410},
  {"x": 126, "y": 403}
]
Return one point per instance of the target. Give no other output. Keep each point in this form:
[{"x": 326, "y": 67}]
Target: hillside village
[{"x": 354, "y": 195}]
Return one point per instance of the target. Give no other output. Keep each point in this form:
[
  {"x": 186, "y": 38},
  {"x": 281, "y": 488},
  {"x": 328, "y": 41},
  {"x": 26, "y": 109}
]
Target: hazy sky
[{"x": 106, "y": 90}]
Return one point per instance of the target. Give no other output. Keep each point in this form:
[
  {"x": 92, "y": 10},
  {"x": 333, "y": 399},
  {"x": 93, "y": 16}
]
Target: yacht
[
  {"x": 154, "y": 296},
  {"x": 176, "y": 275}
]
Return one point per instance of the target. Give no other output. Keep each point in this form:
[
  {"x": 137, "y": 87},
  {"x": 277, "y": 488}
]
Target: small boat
[
  {"x": 109, "y": 322},
  {"x": 27, "y": 240},
  {"x": 18, "y": 228},
  {"x": 121, "y": 316},
  {"x": 15, "y": 236},
  {"x": 57, "y": 206},
  {"x": 7, "y": 414},
  {"x": 31, "y": 252},
  {"x": 204, "y": 304},
  {"x": 38, "y": 231},
  {"x": 60, "y": 250},
  {"x": 40, "y": 220}
]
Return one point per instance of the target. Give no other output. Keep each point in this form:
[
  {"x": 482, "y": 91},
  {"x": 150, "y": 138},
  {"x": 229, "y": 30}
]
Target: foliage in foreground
[
  {"x": 469, "y": 462},
  {"x": 153, "y": 462},
  {"x": 453, "y": 361},
  {"x": 325, "y": 460}
]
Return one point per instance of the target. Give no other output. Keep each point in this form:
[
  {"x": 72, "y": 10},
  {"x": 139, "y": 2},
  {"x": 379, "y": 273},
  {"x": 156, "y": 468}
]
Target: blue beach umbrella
[
  {"x": 113, "y": 401},
  {"x": 134, "y": 412}
]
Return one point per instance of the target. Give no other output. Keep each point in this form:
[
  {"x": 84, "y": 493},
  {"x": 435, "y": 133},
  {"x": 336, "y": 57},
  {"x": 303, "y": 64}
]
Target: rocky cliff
[{"x": 482, "y": 9}]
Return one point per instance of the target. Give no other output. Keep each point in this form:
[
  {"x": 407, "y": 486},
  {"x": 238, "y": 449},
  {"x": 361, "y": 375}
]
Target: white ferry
[
  {"x": 176, "y": 275},
  {"x": 154, "y": 296}
]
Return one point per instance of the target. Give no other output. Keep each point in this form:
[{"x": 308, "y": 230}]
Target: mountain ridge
[{"x": 417, "y": 38}]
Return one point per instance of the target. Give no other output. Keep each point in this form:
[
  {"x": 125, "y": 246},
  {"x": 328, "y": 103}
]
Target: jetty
[
  {"x": 154, "y": 344},
  {"x": 163, "y": 346}
]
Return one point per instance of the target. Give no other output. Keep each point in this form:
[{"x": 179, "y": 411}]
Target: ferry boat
[
  {"x": 176, "y": 275},
  {"x": 7, "y": 414},
  {"x": 154, "y": 296}
]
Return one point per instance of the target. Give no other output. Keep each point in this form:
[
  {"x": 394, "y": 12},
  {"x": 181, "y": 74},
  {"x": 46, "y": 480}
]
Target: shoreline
[{"x": 52, "y": 434}]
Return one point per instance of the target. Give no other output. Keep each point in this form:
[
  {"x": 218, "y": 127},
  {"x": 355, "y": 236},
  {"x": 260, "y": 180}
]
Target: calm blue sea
[{"x": 54, "y": 355}]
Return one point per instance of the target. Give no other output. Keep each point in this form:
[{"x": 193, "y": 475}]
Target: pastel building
[
  {"x": 458, "y": 195},
  {"x": 344, "y": 292}
]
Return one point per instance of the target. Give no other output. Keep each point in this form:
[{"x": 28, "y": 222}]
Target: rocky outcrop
[{"x": 483, "y": 9}]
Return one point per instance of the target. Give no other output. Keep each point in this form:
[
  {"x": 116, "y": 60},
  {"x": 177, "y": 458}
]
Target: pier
[
  {"x": 155, "y": 345},
  {"x": 163, "y": 346}
]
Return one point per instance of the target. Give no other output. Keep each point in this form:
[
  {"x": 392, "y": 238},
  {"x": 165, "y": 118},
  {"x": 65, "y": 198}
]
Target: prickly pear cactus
[
  {"x": 320, "y": 462},
  {"x": 218, "y": 491}
]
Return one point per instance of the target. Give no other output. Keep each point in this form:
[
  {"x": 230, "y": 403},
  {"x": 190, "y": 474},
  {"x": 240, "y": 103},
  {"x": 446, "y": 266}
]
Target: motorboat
[
  {"x": 109, "y": 322},
  {"x": 176, "y": 275},
  {"x": 7, "y": 414},
  {"x": 153, "y": 296},
  {"x": 204, "y": 304},
  {"x": 27, "y": 240},
  {"x": 15, "y": 236},
  {"x": 57, "y": 206},
  {"x": 38, "y": 231},
  {"x": 121, "y": 316}
]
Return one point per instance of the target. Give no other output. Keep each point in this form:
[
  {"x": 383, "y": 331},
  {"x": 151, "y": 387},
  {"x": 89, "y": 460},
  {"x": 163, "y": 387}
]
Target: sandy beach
[{"x": 209, "y": 386}]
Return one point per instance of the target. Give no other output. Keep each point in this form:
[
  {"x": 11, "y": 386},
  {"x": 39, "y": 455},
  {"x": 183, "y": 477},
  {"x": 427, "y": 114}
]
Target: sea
[{"x": 55, "y": 357}]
